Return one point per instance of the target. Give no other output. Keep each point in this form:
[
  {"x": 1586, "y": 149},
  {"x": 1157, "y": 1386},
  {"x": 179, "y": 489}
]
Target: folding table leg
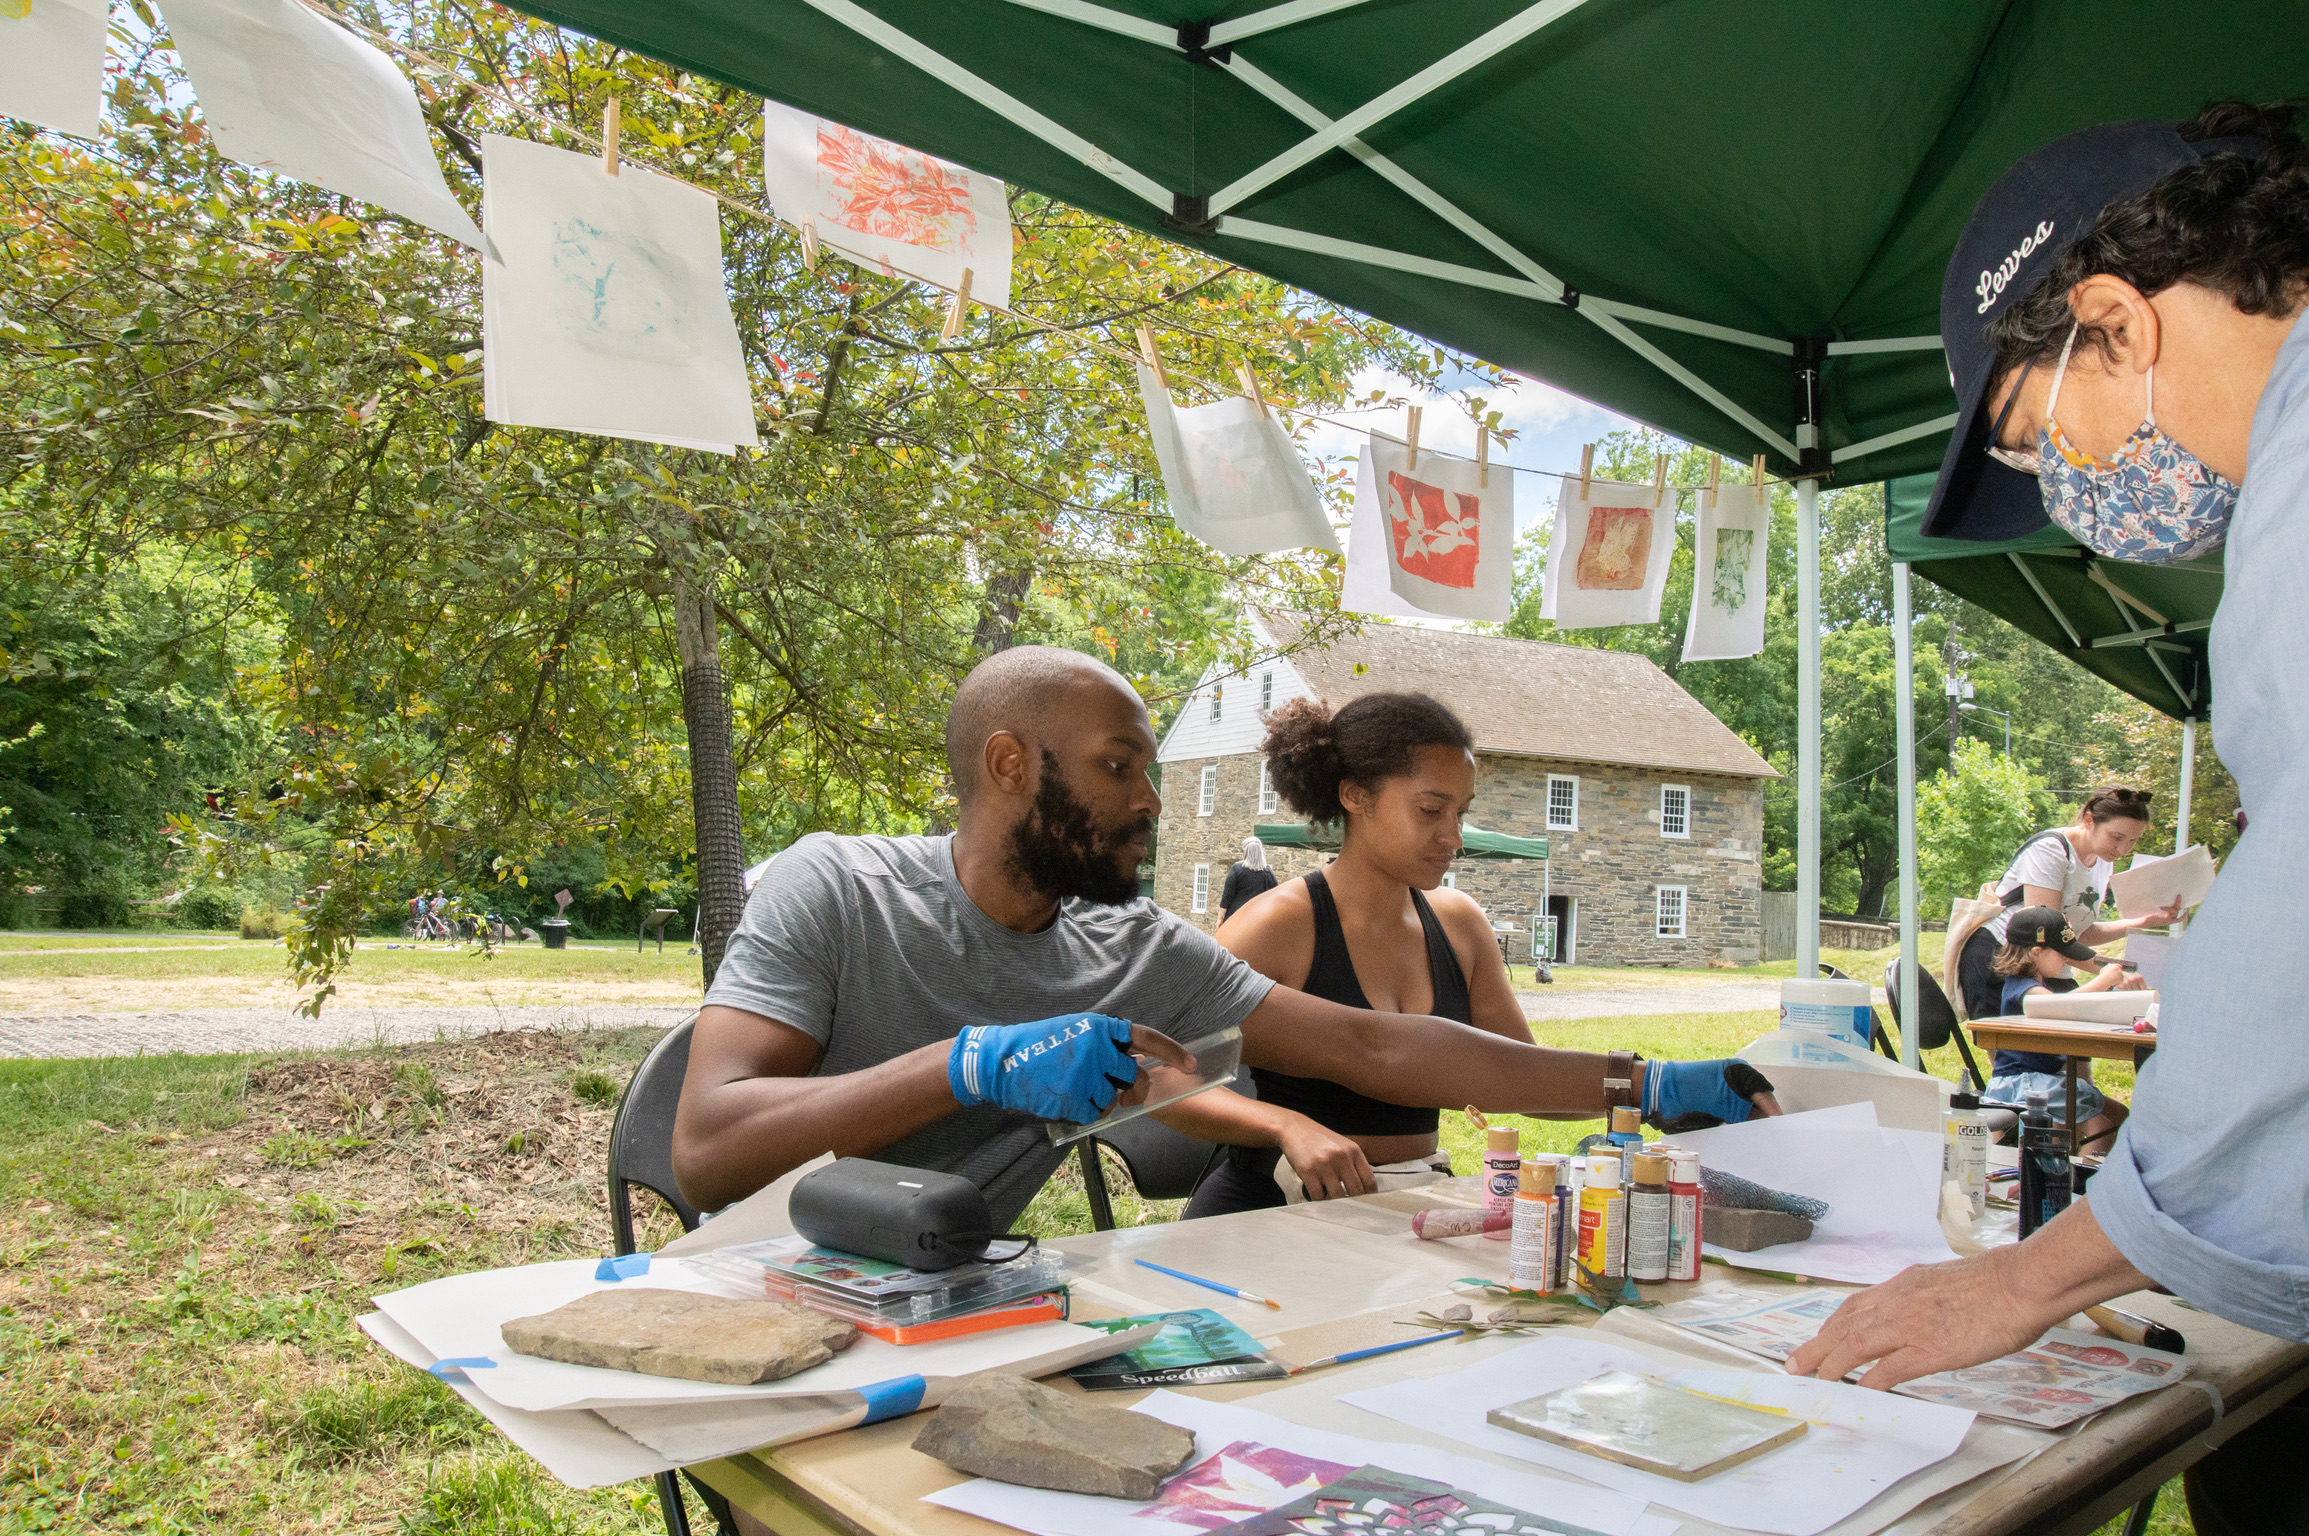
[{"x": 2068, "y": 1063}]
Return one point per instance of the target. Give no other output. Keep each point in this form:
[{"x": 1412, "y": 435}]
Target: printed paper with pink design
[
  {"x": 1607, "y": 560},
  {"x": 1244, "y": 1478},
  {"x": 888, "y": 207}
]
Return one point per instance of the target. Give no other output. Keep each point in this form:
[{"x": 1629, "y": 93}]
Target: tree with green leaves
[{"x": 1971, "y": 818}]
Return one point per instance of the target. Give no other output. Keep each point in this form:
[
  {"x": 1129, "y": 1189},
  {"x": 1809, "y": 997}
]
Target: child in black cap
[{"x": 2039, "y": 947}]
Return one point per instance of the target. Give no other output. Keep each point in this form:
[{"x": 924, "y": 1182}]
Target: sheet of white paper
[
  {"x": 1447, "y": 532},
  {"x": 1860, "y": 1443},
  {"x": 575, "y": 1446},
  {"x": 886, "y": 206},
  {"x": 1911, "y": 1103},
  {"x": 1233, "y": 477},
  {"x": 1249, "y": 1489},
  {"x": 1365, "y": 586},
  {"x": 2153, "y": 883},
  {"x": 1884, "y": 1202},
  {"x": 1608, "y": 557},
  {"x": 2152, "y": 952},
  {"x": 602, "y": 303},
  {"x": 459, "y": 1317},
  {"x": 1728, "y": 569},
  {"x": 759, "y": 1216},
  {"x": 285, "y": 91},
  {"x": 52, "y": 66}
]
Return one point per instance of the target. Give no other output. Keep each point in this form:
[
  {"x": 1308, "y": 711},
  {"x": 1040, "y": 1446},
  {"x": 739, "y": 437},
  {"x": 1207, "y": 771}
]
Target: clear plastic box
[{"x": 1218, "y": 1057}]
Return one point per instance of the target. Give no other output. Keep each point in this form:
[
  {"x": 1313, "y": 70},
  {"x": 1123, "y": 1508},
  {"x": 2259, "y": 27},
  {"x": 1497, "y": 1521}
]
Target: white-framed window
[
  {"x": 1451, "y": 879},
  {"x": 1675, "y": 810},
  {"x": 1266, "y": 792},
  {"x": 1210, "y": 793},
  {"x": 1202, "y": 887},
  {"x": 1670, "y": 912},
  {"x": 1218, "y": 697},
  {"x": 1266, "y": 691},
  {"x": 1562, "y": 802}
]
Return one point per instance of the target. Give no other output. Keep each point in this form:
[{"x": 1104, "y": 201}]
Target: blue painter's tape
[
  {"x": 889, "y": 1399},
  {"x": 624, "y": 1267},
  {"x": 444, "y": 1368}
]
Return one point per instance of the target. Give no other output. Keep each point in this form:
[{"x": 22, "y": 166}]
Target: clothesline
[{"x": 1096, "y": 343}]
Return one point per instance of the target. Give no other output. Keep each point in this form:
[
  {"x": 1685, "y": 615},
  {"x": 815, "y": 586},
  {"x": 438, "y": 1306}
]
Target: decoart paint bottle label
[{"x": 1502, "y": 1162}]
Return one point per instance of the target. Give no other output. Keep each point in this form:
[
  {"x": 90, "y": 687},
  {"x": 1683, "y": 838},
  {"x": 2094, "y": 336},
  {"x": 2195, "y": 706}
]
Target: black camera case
[{"x": 907, "y": 1216}]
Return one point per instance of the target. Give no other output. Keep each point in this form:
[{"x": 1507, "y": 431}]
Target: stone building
[{"x": 1653, "y": 810}]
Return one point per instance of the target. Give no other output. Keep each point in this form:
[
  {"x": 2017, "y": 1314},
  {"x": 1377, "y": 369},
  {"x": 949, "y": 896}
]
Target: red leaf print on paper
[
  {"x": 879, "y": 188},
  {"x": 1437, "y": 533}
]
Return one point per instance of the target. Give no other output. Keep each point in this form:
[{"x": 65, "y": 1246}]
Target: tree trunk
[
  {"x": 713, "y": 774},
  {"x": 998, "y": 620}
]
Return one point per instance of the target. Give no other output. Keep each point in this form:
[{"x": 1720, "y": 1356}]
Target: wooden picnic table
[
  {"x": 2069, "y": 1039},
  {"x": 1350, "y": 1274}
]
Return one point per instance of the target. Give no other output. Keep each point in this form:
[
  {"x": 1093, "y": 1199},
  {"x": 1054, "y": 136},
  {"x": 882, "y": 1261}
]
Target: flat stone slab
[
  {"x": 682, "y": 1334},
  {"x": 1017, "y": 1431},
  {"x": 1744, "y": 1231}
]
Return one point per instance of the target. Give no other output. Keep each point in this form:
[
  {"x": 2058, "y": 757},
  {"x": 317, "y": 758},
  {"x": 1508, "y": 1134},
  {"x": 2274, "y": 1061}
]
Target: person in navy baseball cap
[{"x": 2019, "y": 230}]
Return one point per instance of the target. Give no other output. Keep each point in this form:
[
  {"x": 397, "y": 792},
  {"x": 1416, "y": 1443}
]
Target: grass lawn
[{"x": 184, "y": 1242}]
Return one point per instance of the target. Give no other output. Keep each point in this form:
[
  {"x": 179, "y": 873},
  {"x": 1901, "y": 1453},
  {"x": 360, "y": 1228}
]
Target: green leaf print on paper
[{"x": 1733, "y": 546}]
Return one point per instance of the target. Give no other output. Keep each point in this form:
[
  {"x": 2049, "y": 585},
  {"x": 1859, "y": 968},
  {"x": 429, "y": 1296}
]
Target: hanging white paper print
[
  {"x": 1608, "y": 557},
  {"x": 1233, "y": 477},
  {"x": 52, "y": 64},
  {"x": 1365, "y": 587},
  {"x": 886, "y": 206},
  {"x": 1448, "y": 531},
  {"x": 602, "y": 304},
  {"x": 1728, "y": 576},
  {"x": 284, "y": 90}
]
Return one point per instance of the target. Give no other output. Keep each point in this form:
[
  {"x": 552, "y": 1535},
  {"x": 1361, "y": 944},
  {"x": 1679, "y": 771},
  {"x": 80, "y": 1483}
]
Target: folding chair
[
  {"x": 641, "y": 1152},
  {"x": 1163, "y": 1164},
  {"x": 1935, "y": 1017}
]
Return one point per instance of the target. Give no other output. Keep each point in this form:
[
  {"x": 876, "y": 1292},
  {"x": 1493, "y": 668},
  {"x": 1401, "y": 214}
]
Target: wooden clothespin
[
  {"x": 1153, "y": 356},
  {"x": 1250, "y": 383},
  {"x": 809, "y": 229},
  {"x": 1659, "y": 478},
  {"x": 1586, "y": 464},
  {"x": 1412, "y": 438},
  {"x": 1482, "y": 455},
  {"x": 609, "y": 122},
  {"x": 955, "y": 310},
  {"x": 1758, "y": 468},
  {"x": 1715, "y": 474}
]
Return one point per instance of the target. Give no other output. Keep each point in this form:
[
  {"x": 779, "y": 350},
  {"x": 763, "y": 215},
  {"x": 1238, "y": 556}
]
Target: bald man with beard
[{"x": 932, "y": 1001}]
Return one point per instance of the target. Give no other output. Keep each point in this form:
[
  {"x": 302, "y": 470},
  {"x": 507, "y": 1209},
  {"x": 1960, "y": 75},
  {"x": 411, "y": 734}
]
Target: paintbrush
[{"x": 1376, "y": 1349}]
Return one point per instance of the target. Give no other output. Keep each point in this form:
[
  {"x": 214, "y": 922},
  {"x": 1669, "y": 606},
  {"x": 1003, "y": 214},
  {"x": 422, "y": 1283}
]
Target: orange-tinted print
[
  {"x": 1617, "y": 550},
  {"x": 1437, "y": 533},
  {"x": 879, "y": 188}
]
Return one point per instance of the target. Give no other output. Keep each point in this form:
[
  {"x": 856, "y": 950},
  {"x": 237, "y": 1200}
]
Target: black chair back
[
  {"x": 1936, "y": 1023},
  {"x": 641, "y": 1138},
  {"x": 1163, "y": 1164}
]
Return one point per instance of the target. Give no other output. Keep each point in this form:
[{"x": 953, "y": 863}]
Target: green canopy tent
[
  {"x": 1475, "y": 841},
  {"x": 1728, "y": 220}
]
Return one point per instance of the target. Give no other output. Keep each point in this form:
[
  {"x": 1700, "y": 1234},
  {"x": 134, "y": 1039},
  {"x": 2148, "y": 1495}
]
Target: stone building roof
[{"x": 1530, "y": 698}]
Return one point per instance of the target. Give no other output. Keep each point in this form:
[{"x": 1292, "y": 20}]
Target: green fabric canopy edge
[{"x": 1475, "y": 841}]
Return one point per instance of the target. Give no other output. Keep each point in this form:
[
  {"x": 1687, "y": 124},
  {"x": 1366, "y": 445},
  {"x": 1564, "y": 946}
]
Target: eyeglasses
[{"x": 2027, "y": 460}]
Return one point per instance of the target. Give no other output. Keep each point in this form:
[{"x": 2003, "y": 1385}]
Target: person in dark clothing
[
  {"x": 1249, "y": 877},
  {"x": 1375, "y": 929}
]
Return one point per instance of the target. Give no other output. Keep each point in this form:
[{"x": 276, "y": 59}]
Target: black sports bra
[{"x": 1332, "y": 975}]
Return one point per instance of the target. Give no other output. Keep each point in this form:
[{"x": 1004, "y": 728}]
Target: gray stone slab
[{"x": 1016, "y": 1431}]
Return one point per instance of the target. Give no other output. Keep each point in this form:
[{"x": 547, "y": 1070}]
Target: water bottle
[{"x": 2044, "y": 1166}]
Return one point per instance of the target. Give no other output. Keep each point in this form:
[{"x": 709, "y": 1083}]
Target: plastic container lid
[
  {"x": 1962, "y": 1100},
  {"x": 1535, "y": 1179},
  {"x": 1684, "y": 1168},
  {"x": 1502, "y": 1138},
  {"x": 1824, "y": 989},
  {"x": 1651, "y": 1170},
  {"x": 1603, "y": 1171},
  {"x": 1625, "y": 1118}
]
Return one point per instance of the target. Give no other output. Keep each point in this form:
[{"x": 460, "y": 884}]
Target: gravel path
[{"x": 216, "y": 1030}]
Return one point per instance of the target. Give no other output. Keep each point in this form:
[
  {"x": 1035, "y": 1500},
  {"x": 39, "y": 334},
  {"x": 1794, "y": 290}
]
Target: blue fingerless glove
[
  {"x": 1689, "y": 1094},
  {"x": 1068, "y": 1068}
]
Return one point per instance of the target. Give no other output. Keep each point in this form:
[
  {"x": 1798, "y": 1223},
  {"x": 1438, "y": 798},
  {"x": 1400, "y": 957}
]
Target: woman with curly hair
[{"x": 1376, "y": 929}]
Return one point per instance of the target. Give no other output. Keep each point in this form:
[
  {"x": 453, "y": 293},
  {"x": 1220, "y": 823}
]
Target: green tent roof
[
  {"x": 2142, "y": 627},
  {"x": 1721, "y": 219},
  {"x": 1475, "y": 842}
]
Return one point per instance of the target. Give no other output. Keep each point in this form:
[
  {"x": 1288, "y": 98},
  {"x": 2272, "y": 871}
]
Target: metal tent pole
[
  {"x": 1807, "y": 728},
  {"x": 1904, "y": 718},
  {"x": 2188, "y": 782}
]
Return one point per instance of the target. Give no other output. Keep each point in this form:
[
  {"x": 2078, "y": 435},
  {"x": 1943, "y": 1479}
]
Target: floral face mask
[{"x": 2152, "y": 502}]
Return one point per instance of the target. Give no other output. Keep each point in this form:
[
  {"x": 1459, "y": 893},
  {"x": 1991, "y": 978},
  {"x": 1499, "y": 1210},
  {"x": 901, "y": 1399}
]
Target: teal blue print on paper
[
  {"x": 1733, "y": 547},
  {"x": 621, "y": 296}
]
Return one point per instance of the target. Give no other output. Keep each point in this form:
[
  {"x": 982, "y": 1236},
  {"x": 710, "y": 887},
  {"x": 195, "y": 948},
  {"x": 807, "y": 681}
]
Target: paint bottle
[
  {"x": 1684, "y": 1216},
  {"x": 1530, "y": 1262},
  {"x": 1502, "y": 1167},
  {"x": 2044, "y": 1166},
  {"x": 1602, "y": 1224},
  {"x": 1648, "y": 1201},
  {"x": 1567, "y": 1183},
  {"x": 1964, "y": 1149},
  {"x": 1627, "y": 1133}
]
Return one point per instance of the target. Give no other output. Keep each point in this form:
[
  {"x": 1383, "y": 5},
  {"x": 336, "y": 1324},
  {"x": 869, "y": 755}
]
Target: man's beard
[{"x": 1060, "y": 850}]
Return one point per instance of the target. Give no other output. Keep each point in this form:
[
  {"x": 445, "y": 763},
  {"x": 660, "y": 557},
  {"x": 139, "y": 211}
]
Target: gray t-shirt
[{"x": 871, "y": 946}]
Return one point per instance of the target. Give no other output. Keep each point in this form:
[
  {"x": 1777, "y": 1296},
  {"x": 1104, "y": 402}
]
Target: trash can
[{"x": 555, "y": 932}]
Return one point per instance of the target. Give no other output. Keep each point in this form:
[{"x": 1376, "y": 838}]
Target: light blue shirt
[{"x": 2207, "y": 1188}]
